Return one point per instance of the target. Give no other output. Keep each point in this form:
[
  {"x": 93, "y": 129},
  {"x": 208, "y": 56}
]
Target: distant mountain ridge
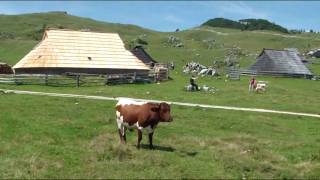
[{"x": 245, "y": 24}]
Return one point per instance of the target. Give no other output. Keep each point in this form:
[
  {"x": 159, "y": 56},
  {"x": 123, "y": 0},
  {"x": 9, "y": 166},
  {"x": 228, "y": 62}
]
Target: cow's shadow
[{"x": 157, "y": 148}]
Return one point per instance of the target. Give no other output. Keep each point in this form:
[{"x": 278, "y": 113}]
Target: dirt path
[
  {"x": 172, "y": 102},
  {"x": 211, "y": 30},
  {"x": 257, "y": 32}
]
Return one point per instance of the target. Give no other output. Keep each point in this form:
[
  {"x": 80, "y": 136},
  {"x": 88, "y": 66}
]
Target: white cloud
[
  {"x": 240, "y": 9},
  {"x": 172, "y": 18},
  {"x": 7, "y": 9}
]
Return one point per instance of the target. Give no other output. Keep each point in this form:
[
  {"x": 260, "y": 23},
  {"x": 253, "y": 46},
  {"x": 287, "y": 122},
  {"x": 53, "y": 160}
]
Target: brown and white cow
[{"x": 141, "y": 116}]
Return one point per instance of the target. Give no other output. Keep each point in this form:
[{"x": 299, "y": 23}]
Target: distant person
[
  {"x": 193, "y": 84},
  {"x": 252, "y": 84}
]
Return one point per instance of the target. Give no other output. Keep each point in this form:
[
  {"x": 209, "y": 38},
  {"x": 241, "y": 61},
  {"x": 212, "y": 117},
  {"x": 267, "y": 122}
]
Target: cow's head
[{"x": 164, "y": 112}]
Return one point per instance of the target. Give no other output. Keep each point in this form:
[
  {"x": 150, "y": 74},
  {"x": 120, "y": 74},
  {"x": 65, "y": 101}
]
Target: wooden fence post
[
  {"x": 106, "y": 80},
  {"x": 78, "y": 80},
  {"x": 46, "y": 80},
  {"x": 14, "y": 79}
]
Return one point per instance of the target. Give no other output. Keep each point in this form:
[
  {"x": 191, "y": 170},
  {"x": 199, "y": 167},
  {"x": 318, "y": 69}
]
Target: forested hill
[{"x": 245, "y": 24}]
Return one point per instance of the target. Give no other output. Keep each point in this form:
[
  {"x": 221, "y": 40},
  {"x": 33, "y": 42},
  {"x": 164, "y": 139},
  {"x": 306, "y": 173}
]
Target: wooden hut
[
  {"x": 5, "y": 68},
  {"x": 280, "y": 62},
  {"x": 66, "y": 51}
]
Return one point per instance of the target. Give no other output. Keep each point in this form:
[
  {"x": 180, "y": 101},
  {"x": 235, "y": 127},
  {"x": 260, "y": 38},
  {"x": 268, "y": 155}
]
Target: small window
[
  {"x": 39, "y": 56},
  {"x": 89, "y": 58}
]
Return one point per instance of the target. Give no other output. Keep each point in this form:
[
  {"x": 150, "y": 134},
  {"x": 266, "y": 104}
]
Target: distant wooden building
[
  {"x": 141, "y": 54},
  {"x": 280, "y": 62},
  {"x": 66, "y": 51},
  {"x": 161, "y": 70},
  {"x": 5, "y": 68}
]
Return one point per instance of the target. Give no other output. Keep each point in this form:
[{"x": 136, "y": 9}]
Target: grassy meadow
[
  {"x": 51, "y": 137},
  {"x": 282, "y": 94}
]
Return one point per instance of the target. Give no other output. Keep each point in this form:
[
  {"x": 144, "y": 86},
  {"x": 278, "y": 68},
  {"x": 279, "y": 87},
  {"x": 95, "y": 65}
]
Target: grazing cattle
[
  {"x": 141, "y": 116},
  {"x": 261, "y": 86}
]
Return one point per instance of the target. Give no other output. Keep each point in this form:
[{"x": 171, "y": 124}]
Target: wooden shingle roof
[
  {"x": 77, "y": 49},
  {"x": 280, "y": 61},
  {"x": 141, "y": 54}
]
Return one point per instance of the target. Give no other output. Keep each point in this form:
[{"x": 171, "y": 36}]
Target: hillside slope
[
  {"x": 20, "y": 33},
  {"x": 53, "y": 137},
  {"x": 30, "y": 26}
]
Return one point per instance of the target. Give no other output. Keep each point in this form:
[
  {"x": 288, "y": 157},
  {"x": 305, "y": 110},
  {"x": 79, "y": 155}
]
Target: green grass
[
  {"x": 298, "y": 95},
  {"x": 281, "y": 95},
  {"x": 315, "y": 66},
  {"x": 47, "y": 137},
  {"x": 28, "y": 26},
  {"x": 13, "y": 50}
]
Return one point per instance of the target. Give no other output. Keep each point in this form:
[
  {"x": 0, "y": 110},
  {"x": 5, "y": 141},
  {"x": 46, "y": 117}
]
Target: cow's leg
[
  {"x": 120, "y": 135},
  {"x": 124, "y": 134},
  {"x": 150, "y": 140},
  {"x": 139, "y": 138},
  {"x": 121, "y": 127}
]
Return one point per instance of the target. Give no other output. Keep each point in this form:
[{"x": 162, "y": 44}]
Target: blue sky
[{"x": 169, "y": 15}]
